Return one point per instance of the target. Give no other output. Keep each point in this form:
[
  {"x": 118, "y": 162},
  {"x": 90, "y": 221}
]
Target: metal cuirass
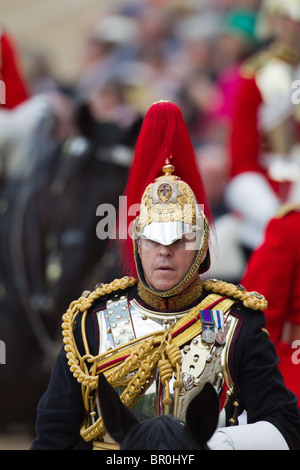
[{"x": 204, "y": 357}]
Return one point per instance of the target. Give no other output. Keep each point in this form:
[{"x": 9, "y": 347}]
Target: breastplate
[{"x": 204, "y": 357}]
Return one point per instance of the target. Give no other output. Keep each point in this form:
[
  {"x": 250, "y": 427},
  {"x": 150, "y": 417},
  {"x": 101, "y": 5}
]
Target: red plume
[
  {"x": 16, "y": 88},
  {"x": 163, "y": 135}
]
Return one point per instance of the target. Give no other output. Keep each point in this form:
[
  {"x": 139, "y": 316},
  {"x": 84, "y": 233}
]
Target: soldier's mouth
[{"x": 165, "y": 268}]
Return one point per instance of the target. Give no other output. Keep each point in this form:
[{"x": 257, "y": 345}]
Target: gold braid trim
[
  {"x": 83, "y": 304},
  {"x": 286, "y": 209},
  {"x": 161, "y": 350},
  {"x": 252, "y": 300},
  {"x": 143, "y": 354},
  {"x": 187, "y": 297},
  {"x": 143, "y": 359}
]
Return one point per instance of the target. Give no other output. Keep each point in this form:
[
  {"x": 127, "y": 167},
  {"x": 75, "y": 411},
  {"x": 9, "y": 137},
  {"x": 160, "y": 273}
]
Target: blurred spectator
[
  {"x": 236, "y": 42},
  {"x": 40, "y": 72},
  {"x": 236, "y": 39},
  {"x": 229, "y": 39},
  {"x": 107, "y": 46},
  {"x": 108, "y": 104}
]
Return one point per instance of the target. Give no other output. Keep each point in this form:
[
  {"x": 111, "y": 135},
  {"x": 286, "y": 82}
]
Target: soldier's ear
[
  {"x": 138, "y": 244},
  {"x": 118, "y": 419},
  {"x": 202, "y": 414}
]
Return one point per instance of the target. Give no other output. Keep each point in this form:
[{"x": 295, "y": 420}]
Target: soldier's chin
[{"x": 163, "y": 281}]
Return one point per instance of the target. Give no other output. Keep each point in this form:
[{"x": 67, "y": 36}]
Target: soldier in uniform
[
  {"x": 160, "y": 334},
  {"x": 274, "y": 269},
  {"x": 264, "y": 144}
]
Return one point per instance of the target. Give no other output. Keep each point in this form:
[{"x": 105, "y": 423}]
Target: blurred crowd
[
  {"x": 132, "y": 55},
  {"x": 142, "y": 51},
  {"x": 138, "y": 53},
  {"x": 151, "y": 50}
]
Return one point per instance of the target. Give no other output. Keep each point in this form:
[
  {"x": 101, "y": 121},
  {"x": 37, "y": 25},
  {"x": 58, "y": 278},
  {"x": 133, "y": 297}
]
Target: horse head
[{"x": 162, "y": 432}]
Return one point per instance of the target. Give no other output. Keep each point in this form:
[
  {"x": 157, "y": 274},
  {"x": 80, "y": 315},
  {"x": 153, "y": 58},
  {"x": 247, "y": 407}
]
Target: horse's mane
[{"x": 160, "y": 434}]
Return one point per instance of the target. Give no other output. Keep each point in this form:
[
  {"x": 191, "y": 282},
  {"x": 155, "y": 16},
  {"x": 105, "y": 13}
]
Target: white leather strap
[{"x": 258, "y": 436}]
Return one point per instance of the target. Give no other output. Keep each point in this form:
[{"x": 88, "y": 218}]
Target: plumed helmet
[
  {"x": 170, "y": 205},
  {"x": 169, "y": 210},
  {"x": 289, "y": 8}
]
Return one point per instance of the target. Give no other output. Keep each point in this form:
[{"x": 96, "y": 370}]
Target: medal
[
  {"x": 213, "y": 327},
  {"x": 219, "y": 321},
  {"x": 220, "y": 338},
  {"x": 208, "y": 324},
  {"x": 208, "y": 336}
]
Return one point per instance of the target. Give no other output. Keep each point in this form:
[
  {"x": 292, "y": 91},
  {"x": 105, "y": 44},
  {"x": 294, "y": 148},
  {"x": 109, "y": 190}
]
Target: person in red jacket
[
  {"x": 274, "y": 270},
  {"x": 265, "y": 137},
  {"x": 13, "y": 87}
]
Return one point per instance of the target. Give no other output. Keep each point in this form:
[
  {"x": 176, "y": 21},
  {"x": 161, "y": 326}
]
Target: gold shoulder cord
[
  {"x": 286, "y": 209},
  {"x": 142, "y": 355},
  {"x": 83, "y": 304},
  {"x": 252, "y": 300}
]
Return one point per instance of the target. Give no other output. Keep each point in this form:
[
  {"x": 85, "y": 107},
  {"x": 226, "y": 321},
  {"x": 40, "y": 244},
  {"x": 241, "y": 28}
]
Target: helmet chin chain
[{"x": 169, "y": 205}]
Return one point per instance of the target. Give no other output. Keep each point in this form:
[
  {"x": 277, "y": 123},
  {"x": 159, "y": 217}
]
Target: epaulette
[
  {"x": 254, "y": 63},
  {"x": 286, "y": 209},
  {"x": 252, "y": 300},
  {"x": 88, "y": 297},
  {"x": 276, "y": 50},
  {"x": 83, "y": 304}
]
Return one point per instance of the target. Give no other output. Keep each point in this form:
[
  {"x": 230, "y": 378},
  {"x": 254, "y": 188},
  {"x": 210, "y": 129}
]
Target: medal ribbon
[
  {"x": 219, "y": 319},
  {"x": 207, "y": 319}
]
